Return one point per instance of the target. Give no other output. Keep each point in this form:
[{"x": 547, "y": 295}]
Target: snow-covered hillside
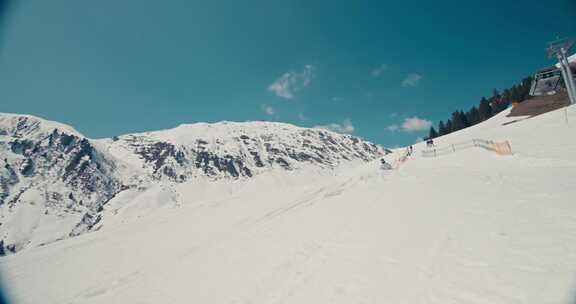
[
  {"x": 466, "y": 227},
  {"x": 55, "y": 182}
]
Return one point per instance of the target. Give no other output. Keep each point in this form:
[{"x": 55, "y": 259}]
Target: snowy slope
[
  {"x": 468, "y": 227},
  {"x": 55, "y": 182}
]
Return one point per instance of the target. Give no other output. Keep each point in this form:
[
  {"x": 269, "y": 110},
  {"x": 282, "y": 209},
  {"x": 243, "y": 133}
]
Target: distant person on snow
[
  {"x": 430, "y": 143},
  {"x": 384, "y": 165}
]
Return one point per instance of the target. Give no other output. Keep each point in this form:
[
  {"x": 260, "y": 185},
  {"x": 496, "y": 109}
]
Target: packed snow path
[{"x": 469, "y": 227}]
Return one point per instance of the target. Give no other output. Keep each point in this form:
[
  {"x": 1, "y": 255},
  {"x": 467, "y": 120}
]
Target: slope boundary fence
[{"x": 500, "y": 148}]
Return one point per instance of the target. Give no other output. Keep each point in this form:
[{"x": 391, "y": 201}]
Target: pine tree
[
  {"x": 441, "y": 129},
  {"x": 464, "y": 119},
  {"x": 473, "y": 116},
  {"x": 506, "y": 96},
  {"x": 525, "y": 88},
  {"x": 433, "y": 133},
  {"x": 448, "y": 126},
  {"x": 458, "y": 121},
  {"x": 485, "y": 110},
  {"x": 495, "y": 94},
  {"x": 514, "y": 95}
]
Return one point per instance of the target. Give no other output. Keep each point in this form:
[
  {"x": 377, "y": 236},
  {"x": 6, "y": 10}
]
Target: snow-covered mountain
[
  {"x": 55, "y": 182},
  {"x": 232, "y": 149}
]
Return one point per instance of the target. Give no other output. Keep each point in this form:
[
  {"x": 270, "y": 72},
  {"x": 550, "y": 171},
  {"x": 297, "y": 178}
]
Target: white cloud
[
  {"x": 379, "y": 70},
  {"x": 414, "y": 124},
  {"x": 345, "y": 127},
  {"x": 291, "y": 82},
  {"x": 411, "y": 80},
  {"x": 269, "y": 110},
  {"x": 411, "y": 124}
]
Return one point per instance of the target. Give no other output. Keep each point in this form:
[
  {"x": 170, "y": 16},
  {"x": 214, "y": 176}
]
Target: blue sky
[{"x": 377, "y": 69}]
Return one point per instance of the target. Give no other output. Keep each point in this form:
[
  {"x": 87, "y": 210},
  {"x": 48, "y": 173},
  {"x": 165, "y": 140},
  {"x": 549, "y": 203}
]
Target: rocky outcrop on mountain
[
  {"x": 236, "y": 150},
  {"x": 50, "y": 171}
]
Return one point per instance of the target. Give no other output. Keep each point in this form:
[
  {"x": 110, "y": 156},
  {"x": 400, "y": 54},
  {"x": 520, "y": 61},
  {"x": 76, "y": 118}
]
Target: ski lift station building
[{"x": 548, "y": 81}]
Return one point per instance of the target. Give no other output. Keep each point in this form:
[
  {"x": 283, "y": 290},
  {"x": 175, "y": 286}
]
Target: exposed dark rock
[
  {"x": 21, "y": 146},
  {"x": 257, "y": 159},
  {"x": 283, "y": 163},
  {"x": 86, "y": 224},
  {"x": 8, "y": 178},
  {"x": 11, "y": 248},
  {"x": 27, "y": 168},
  {"x": 6, "y": 249},
  {"x": 158, "y": 153}
]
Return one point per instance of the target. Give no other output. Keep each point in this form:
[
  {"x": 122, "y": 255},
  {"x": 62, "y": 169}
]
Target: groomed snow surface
[{"x": 468, "y": 227}]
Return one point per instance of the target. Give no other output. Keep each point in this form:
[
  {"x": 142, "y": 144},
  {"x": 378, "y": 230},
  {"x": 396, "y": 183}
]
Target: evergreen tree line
[{"x": 487, "y": 108}]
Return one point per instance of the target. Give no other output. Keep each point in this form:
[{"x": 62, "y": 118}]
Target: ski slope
[{"x": 468, "y": 227}]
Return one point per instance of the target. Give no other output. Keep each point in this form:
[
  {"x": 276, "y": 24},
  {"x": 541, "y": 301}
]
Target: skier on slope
[{"x": 384, "y": 165}]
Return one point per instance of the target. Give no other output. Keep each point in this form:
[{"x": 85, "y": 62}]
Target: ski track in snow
[{"x": 469, "y": 227}]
